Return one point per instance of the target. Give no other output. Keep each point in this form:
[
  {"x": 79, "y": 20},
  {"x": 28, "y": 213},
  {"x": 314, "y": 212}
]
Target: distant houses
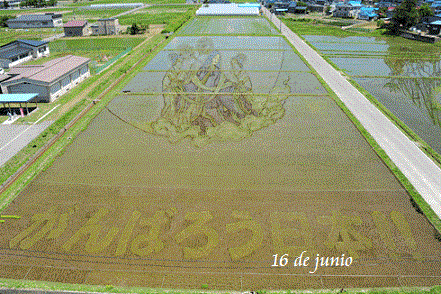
[
  {"x": 339, "y": 8},
  {"x": 367, "y": 13},
  {"x": 76, "y": 28},
  {"x": 289, "y": 6},
  {"x": 348, "y": 9},
  {"x": 48, "y": 20},
  {"x": 50, "y": 80},
  {"x": 20, "y": 51}
]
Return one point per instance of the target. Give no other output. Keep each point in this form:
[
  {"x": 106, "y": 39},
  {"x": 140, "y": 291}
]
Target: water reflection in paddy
[{"x": 404, "y": 76}]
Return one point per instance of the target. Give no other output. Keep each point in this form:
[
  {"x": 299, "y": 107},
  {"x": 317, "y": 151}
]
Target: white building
[
  {"x": 20, "y": 51},
  {"x": 50, "y": 80}
]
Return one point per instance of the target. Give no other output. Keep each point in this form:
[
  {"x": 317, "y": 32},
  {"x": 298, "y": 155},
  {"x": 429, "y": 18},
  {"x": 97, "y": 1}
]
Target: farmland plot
[{"x": 215, "y": 166}]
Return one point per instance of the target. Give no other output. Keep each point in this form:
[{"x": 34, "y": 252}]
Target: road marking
[{"x": 16, "y": 137}]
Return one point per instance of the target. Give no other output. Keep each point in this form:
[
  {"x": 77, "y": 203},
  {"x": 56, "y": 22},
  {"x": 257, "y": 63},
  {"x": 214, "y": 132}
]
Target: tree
[
  {"x": 3, "y": 20},
  {"x": 51, "y": 2},
  {"x": 405, "y": 16},
  {"x": 5, "y": 4},
  {"x": 380, "y": 23},
  {"x": 134, "y": 29},
  {"x": 425, "y": 11}
]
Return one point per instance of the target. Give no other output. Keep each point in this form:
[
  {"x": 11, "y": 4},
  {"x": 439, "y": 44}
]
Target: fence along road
[{"x": 420, "y": 170}]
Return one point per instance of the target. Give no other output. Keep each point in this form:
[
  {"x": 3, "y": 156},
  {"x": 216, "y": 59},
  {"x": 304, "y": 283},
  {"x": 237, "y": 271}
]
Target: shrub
[{"x": 380, "y": 23}]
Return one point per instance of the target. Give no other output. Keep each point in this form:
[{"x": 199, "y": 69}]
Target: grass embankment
[
  {"x": 416, "y": 199},
  {"x": 52, "y": 286}
]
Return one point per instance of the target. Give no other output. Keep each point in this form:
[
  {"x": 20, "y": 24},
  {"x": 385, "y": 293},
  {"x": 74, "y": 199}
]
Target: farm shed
[
  {"x": 76, "y": 28},
  {"x": 50, "y": 80},
  {"x": 20, "y": 51}
]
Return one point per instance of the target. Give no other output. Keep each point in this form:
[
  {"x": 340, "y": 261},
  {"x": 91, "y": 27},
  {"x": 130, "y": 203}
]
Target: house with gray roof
[
  {"x": 50, "y": 80},
  {"x": 47, "y": 20},
  {"x": 106, "y": 26},
  {"x": 20, "y": 51}
]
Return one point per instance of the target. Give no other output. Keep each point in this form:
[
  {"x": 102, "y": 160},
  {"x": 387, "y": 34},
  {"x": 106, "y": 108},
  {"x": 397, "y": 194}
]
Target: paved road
[
  {"x": 14, "y": 137},
  {"x": 133, "y": 10},
  {"x": 421, "y": 171}
]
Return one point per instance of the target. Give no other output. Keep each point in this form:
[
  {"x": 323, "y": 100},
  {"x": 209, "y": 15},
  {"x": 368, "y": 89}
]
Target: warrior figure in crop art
[{"x": 207, "y": 101}]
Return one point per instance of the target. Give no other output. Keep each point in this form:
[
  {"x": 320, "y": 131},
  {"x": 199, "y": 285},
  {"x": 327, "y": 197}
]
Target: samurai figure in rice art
[{"x": 203, "y": 104}]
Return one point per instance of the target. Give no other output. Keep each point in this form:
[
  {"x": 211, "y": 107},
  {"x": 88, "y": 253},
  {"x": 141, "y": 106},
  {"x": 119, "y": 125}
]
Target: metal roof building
[
  {"x": 50, "y": 80},
  {"x": 20, "y": 51},
  {"x": 48, "y": 20}
]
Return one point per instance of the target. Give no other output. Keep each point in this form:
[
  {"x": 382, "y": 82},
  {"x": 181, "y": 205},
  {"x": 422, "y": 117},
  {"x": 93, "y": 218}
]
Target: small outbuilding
[{"x": 76, "y": 28}]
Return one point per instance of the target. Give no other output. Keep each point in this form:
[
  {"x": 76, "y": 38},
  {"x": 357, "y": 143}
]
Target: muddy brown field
[{"x": 130, "y": 204}]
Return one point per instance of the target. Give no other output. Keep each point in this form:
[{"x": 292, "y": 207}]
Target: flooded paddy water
[
  {"x": 403, "y": 75},
  {"x": 214, "y": 162}
]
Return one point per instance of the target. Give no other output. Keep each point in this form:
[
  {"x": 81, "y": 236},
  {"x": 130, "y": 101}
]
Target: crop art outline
[{"x": 205, "y": 105}]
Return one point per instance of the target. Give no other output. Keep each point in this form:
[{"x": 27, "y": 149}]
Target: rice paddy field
[
  {"x": 223, "y": 164},
  {"x": 209, "y": 25},
  {"x": 154, "y": 15},
  {"x": 403, "y": 75}
]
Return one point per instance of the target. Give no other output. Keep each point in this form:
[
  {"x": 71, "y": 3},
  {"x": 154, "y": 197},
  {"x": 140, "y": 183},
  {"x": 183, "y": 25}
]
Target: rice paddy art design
[{"x": 203, "y": 104}]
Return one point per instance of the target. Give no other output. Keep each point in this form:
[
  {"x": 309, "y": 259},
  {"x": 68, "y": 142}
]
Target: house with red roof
[
  {"x": 76, "y": 28},
  {"x": 50, "y": 80}
]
